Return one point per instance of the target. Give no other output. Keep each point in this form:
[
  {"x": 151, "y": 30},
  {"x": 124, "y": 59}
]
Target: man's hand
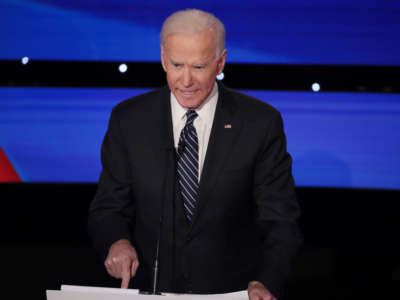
[
  {"x": 257, "y": 291},
  {"x": 122, "y": 261}
]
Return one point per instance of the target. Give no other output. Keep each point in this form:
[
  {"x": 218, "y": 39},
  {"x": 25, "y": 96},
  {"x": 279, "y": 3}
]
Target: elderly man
[{"x": 198, "y": 174}]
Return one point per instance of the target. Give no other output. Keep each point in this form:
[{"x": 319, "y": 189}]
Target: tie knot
[{"x": 190, "y": 116}]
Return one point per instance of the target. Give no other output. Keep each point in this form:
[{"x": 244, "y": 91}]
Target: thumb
[{"x": 134, "y": 267}]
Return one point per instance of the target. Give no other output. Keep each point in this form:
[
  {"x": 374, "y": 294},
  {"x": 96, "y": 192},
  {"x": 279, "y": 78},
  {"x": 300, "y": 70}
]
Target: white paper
[
  {"x": 239, "y": 295},
  {"x": 87, "y": 295},
  {"x": 76, "y": 292},
  {"x": 95, "y": 289}
]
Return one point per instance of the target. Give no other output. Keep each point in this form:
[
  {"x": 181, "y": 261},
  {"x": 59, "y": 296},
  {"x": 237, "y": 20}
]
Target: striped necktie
[{"x": 188, "y": 165}]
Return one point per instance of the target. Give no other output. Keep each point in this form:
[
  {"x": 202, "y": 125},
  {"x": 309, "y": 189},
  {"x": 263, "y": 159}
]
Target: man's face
[{"x": 191, "y": 66}]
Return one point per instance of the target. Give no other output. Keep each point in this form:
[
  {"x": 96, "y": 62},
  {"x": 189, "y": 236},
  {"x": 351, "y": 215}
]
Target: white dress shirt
[{"x": 202, "y": 123}]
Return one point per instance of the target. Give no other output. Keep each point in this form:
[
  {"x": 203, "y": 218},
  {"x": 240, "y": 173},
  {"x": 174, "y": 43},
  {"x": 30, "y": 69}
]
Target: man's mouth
[{"x": 188, "y": 93}]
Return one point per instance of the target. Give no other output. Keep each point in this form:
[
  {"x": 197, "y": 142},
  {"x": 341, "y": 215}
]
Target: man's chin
[{"x": 190, "y": 103}]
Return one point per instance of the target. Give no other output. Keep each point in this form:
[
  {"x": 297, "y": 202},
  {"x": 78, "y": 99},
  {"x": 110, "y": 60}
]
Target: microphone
[{"x": 154, "y": 290}]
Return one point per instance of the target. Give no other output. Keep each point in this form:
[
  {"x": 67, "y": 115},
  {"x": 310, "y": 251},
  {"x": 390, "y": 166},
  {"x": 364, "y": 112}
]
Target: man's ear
[
  {"x": 163, "y": 59},
  {"x": 221, "y": 62}
]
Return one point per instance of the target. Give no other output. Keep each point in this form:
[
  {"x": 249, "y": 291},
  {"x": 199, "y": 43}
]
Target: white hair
[{"x": 191, "y": 21}]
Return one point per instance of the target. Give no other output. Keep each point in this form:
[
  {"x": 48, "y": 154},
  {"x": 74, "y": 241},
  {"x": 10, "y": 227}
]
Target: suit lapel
[
  {"x": 164, "y": 122},
  {"x": 225, "y": 130},
  {"x": 161, "y": 141}
]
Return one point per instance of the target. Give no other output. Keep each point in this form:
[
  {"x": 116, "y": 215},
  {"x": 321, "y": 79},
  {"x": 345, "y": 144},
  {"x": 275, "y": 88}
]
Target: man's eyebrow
[
  {"x": 203, "y": 63},
  {"x": 199, "y": 63}
]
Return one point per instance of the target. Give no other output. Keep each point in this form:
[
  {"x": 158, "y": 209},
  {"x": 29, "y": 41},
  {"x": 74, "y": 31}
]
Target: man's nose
[{"x": 187, "y": 77}]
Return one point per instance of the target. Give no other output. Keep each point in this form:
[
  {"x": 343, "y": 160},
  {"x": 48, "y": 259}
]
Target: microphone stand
[{"x": 154, "y": 290}]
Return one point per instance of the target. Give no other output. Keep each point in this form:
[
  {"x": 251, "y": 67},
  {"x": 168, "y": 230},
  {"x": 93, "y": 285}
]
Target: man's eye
[
  {"x": 199, "y": 67},
  {"x": 176, "y": 65}
]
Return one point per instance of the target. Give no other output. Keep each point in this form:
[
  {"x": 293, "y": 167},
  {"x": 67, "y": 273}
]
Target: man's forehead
[
  {"x": 177, "y": 48},
  {"x": 204, "y": 37},
  {"x": 200, "y": 59},
  {"x": 189, "y": 33}
]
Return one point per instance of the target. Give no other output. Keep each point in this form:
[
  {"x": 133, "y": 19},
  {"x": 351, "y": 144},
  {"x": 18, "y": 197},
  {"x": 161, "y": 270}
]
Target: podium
[{"x": 74, "y": 292}]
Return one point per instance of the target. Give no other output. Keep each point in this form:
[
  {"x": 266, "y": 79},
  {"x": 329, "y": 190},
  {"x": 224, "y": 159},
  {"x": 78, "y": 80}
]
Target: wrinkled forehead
[{"x": 191, "y": 50}]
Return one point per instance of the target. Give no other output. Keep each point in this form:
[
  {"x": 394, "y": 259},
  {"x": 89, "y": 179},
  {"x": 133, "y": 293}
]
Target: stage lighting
[
  {"x": 316, "y": 87},
  {"x": 25, "y": 60},
  {"x": 123, "y": 68}
]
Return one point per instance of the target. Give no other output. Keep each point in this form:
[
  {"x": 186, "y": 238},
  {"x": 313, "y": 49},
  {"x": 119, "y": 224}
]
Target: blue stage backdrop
[
  {"x": 347, "y": 140},
  {"x": 284, "y": 32}
]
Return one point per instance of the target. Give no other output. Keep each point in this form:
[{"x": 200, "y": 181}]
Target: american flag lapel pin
[{"x": 228, "y": 126}]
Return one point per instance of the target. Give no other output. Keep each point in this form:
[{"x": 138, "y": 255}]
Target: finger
[
  {"x": 253, "y": 296},
  {"x": 125, "y": 280},
  {"x": 135, "y": 266},
  {"x": 126, "y": 276},
  {"x": 268, "y": 297},
  {"x": 258, "y": 295}
]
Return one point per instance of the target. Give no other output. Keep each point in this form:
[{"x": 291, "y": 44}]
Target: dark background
[{"x": 351, "y": 248}]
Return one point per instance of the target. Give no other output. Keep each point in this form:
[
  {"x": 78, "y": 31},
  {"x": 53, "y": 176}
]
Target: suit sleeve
[
  {"x": 277, "y": 208},
  {"x": 112, "y": 209}
]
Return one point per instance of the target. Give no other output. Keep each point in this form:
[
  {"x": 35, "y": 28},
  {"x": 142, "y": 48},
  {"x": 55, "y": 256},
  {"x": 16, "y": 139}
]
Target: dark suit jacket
[{"x": 245, "y": 225}]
